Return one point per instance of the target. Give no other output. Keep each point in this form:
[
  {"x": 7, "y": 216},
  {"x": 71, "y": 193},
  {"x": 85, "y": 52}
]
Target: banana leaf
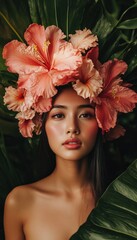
[{"x": 115, "y": 217}]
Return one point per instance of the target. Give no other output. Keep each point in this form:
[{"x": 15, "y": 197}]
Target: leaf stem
[
  {"x": 67, "y": 22},
  {"x": 56, "y": 17},
  {"x": 13, "y": 29}
]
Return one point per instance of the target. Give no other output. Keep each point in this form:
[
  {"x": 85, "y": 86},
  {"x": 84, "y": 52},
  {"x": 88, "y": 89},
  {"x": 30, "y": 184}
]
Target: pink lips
[{"x": 72, "y": 143}]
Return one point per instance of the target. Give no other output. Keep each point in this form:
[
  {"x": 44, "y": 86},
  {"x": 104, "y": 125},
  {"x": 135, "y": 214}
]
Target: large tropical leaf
[{"x": 115, "y": 217}]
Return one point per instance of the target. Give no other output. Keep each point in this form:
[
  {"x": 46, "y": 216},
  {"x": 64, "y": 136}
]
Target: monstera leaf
[{"x": 115, "y": 217}]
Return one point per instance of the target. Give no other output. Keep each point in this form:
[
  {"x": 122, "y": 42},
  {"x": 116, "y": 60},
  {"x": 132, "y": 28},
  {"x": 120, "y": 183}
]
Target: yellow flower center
[
  {"x": 46, "y": 44},
  {"x": 34, "y": 48},
  {"x": 113, "y": 93}
]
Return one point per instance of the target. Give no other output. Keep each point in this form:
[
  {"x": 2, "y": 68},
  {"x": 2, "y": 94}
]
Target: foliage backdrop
[{"x": 115, "y": 23}]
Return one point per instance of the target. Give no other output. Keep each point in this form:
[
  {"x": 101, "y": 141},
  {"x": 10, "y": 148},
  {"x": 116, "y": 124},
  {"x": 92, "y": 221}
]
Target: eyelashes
[
  {"x": 86, "y": 115},
  {"x": 58, "y": 116}
]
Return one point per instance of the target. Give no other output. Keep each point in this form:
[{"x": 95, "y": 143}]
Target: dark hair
[{"x": 96, "y": 167}]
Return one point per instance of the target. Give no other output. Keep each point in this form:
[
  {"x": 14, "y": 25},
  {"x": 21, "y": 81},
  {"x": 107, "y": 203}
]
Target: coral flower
[
  {"x": 89, "y": 84},
  {"x": 47, "y": 61},
  {"x": 17, "y": 99},
  {"x": 83, "y": 40},
  {"x": 44, "y": 62},
  {"x": 26, "y": 127},
  {"x": 115, "y": 97},
  {"x": 115, "y": 133},
  {"x": 29, "y": 122}
]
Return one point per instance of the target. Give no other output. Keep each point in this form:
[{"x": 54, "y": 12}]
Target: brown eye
[
  {"x": 86, "y": 115},
  {"x": 58, "y": 116}
]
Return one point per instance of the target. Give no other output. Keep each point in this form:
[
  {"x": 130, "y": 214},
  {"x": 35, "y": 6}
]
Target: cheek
[
  {"x": 53, "y": 131},
  {"x": 91, "y": 131}
]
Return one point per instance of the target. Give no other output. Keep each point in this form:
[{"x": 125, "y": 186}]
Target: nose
[{"x": 73, "y": 126}]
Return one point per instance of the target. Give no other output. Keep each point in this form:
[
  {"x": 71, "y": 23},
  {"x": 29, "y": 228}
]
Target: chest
[{"x": 55, "y": 219}]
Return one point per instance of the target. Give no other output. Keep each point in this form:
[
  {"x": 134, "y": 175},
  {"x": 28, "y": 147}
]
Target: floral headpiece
[{"x": 49, "y": 61}]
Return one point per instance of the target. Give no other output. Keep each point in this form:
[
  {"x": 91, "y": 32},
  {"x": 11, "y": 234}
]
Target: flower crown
[{"x": 49, "y": 61}]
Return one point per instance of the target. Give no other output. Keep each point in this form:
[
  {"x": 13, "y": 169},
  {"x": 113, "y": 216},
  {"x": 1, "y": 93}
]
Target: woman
[{"x": 55, "y": 207}]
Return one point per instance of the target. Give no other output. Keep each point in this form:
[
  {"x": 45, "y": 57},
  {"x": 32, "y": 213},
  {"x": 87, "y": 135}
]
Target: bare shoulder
[
  {"x": 25, "y": 193},
  {"x": 18, "y": 196}
]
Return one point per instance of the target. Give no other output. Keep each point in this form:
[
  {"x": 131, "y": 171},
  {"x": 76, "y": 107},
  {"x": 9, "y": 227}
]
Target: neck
[{"x": 71, "y": 175}]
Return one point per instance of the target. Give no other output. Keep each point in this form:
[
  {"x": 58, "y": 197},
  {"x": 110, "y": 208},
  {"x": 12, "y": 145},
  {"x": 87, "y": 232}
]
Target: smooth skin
[{"x": 54, "y": 207}]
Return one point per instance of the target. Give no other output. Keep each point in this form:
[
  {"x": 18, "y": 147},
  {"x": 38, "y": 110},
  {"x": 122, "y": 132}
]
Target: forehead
[{"x": 70, "y": 97}]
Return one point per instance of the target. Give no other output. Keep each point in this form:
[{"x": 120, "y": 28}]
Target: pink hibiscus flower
[
  {"x": 89, "y": 84},
  {"x": 29, "y": 122},
  {"x": 115, "y": 133},
  {"x": 26, "y": 127},
  {"x": 83, "y": 40},
  {"x": 115, "y": 97},
  {"x": 17, "y": 99},
  {"x": 43, "y": 63}
]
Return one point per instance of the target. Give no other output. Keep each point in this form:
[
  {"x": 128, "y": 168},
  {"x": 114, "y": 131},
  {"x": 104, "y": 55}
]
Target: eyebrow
[{"x": 80, "y": 106}]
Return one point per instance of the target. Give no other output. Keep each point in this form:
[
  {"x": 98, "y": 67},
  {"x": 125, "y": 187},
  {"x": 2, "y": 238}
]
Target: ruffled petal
[
  {"x": 28, "y": 114},
  {"x": 111, "y": 70},
  {"x": 46, "y": 41},
  {"x": 67, "y": 58},
  {"x": 106, "y": 115},
  {"x": 42, "y": 85},
  {"x": 115, "y": 133},
  {"x": 43, "y": 105},
  {"x": 93, "y": 54},
  {"x": 83, "y": 40},
  {"x": 26, "y": 127},
  {"x": 125, "y": 99},
  {"x": 22, "y": 59},
  {"x": 38, "y": 123},
  {"x": 90, "y": 83},
  {"x": 14, "y": 98}
]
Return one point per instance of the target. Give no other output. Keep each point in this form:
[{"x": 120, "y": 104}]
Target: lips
[{"x": 72, "y": 143}]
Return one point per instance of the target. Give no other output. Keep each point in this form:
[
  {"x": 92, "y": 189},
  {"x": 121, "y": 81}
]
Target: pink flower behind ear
[
  {"x": 26, "y": 127},
  {"x": 115, "y": 133},
  {"x": 89, "y": 84},
  {"x": 29, "y": 122},
  {"x": 115, "y": 97},
  {"x": 83, "y": 40}
]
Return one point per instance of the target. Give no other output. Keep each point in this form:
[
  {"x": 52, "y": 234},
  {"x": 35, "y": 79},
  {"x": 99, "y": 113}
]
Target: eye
[
  {"x": 58, "y": 116},
  {"x": 87, "y": 115}
]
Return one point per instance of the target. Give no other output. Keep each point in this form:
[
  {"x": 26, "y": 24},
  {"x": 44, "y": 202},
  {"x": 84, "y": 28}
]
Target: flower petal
[
  {"x": 93, "y": 54},
  {"x": 43, "y": 105},
  {"x": 67, "y": 58},
  {"x": 83, "y": 40},
  {"x": 112, "y": 69},
  {"x": 22, "y": 59},
  {"x": 115, "y": 133},
  {"x": 106, "y": 115},
  {"x": 90, "y": 83},
  {"x": 125, "y": 99},
  {"x": 42, "y": 85},
  {"x": 47, "y": 41},
  {"x": 38, "y": 123},
  {"x": 14, "y": 98},
  {"x": 26, "y": 127},
  {"x": 28, "y": 114}
]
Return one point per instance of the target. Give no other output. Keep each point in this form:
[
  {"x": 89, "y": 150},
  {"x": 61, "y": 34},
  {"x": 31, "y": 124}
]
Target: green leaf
[
  {"x": 128, "y": 24},
  {"x": 115, "y": 217}
]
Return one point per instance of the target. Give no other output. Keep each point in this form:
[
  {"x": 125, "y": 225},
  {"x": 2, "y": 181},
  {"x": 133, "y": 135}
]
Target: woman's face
[{"x": 71, "y": 126}]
